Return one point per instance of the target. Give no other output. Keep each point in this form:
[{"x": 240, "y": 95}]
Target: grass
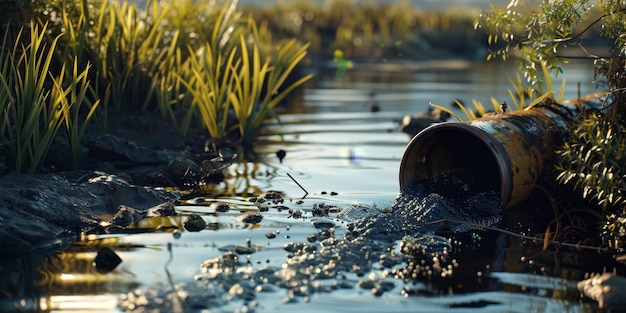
[
  {"x": 196, "y": 63},
  {"x": 189, "y": 61},
  {"x": 254, "y": 78},
  {"x": 72, "y": 99},
  {"x": 33, "y": 110},
  {"x": 30, "y": 117},
  {"x": 519, "y": 96}
]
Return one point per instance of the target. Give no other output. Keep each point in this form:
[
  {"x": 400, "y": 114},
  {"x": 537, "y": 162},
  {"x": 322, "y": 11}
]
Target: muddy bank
[{"x": 40, "y": 214}]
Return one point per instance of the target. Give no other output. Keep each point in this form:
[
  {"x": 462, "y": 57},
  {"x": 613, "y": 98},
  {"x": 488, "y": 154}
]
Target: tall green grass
[
  {"x": 195, "y": 63},
  {"x": 73, "y": 102},
  {"x": 234, "y": 89},
  {"x": 257, "y": 89},
  {"x": 35, "y": 102}
]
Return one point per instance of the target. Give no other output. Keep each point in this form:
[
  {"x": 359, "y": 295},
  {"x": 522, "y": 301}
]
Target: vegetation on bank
[
  {"x": 592, "y": 159},
  {"x": 197, "y": 64}
]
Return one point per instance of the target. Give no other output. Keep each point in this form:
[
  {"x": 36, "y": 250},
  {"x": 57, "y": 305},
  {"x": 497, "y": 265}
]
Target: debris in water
[
  {"x": 106, "y": 260},
  {"x": 194, "y": 223},
  {"x": 280, "y": 154},
  {"x": 221, "y": 207},
  {"x": 250, "y": 218}
]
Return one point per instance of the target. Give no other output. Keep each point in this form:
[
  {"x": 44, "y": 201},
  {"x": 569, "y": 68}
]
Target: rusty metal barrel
[{"x": 504, "y": 151}]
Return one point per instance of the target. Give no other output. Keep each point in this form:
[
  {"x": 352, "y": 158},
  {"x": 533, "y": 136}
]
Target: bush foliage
[{"x": 536, "y": 33}]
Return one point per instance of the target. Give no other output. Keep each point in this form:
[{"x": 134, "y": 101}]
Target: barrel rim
[{"x": 495, "y": 147}]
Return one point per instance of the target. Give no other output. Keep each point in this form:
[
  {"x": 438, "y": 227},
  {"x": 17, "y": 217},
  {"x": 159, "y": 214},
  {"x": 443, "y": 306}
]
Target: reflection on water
[{"x": 341, "y": 152}]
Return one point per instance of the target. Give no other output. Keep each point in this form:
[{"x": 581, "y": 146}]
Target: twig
[
  {"x": 177, "y": 306},
  {"x": 558, "y": 243},
  {"x": 297, "y": 183}
]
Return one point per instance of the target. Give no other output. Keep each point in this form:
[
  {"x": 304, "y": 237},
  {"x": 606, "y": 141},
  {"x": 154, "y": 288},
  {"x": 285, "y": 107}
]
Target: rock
[
  {"x": 274, "y": 197},
  {"x": 163, "y": 209},
  {"x": 320, "y": 209},
  {"x": 184, "y": 170},
  {"x": 125, "y": 217},
  {"x": 194, "y": 223},
  {"x": 323, "y": 223},
  {"x": 413, "y": 124},
  {"x": 106, "y": 260},
  {"x": 226, "y": 263},
  {"x": 115, "y": 192},
  {"x": 220, "y": 207},
  {"x": 250, "y": 218}
]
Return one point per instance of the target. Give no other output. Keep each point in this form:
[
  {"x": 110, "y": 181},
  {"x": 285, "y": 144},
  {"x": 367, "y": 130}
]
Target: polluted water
[{"x": 366, "y": 247}]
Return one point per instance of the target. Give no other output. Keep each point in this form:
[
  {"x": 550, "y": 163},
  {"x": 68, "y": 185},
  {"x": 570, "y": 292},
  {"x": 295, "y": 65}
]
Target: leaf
[
  {"x": 538, "y": 100},
  {"x": 546, "y": 238},
  {"x": 444, "y": 109}
]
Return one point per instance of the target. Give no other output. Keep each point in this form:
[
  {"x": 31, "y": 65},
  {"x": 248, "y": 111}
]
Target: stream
[{"x": 332, "y": 230}]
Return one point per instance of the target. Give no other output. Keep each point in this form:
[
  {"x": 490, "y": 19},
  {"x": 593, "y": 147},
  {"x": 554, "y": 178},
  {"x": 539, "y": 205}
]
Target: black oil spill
[
  {"x": 421, "y": 204},
  {"x": 379, "y": 250}
]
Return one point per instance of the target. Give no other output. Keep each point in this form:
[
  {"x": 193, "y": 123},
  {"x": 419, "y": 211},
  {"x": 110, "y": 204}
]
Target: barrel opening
[{"x": 441, "y": 149}]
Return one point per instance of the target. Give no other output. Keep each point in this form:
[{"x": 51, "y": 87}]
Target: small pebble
[
  {"x": 194, "y": 223},
  {"x": 250, "y": 218},
  {"x": 106, "y": 260},
  {"x": 196, "y": 200},
  {"x": 281, "y": 208},
  {"x": 323, "y": 223},
  {"x": 221, "y": 207}
]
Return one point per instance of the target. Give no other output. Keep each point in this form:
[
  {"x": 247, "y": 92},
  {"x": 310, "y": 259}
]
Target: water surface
[{"x": 345, "y": 156}]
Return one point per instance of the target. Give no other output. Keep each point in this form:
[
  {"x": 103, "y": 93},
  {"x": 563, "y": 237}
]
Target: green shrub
[{"x": 592, "y": 159}]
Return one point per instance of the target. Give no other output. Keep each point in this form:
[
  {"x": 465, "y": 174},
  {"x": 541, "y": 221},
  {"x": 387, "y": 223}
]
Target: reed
[
  {"x": 519, "y": 96},
  {"x": 232, "y": 88},
  {"x": 257, "y": 87},
  {"x": 368, "y": 30},
  {"x": 72, "y": 99},
  {"x": 34, "y": 100},
  {"x": 208, "y": 84},
  {"x": 170, "y": 94},
  {"x": 122, "y": 43}
]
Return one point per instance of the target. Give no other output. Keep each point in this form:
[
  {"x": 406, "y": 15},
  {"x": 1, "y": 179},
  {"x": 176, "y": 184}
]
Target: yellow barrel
[{"x": 506, "y": 151}]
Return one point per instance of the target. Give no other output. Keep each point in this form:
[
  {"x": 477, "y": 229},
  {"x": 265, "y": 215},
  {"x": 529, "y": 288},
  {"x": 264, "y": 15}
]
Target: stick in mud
[{"x": 297, "y": 183}]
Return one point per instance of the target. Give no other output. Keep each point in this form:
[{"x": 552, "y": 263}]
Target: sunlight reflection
[{"x": 92, "y": 303}]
